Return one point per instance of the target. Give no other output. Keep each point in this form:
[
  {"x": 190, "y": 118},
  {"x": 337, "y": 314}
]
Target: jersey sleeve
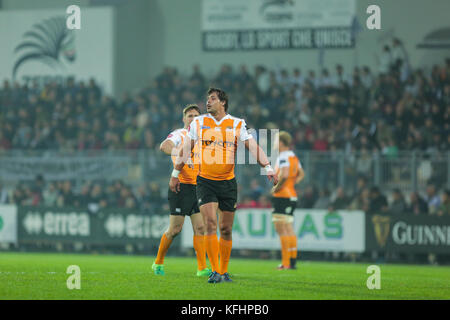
[
  {"x": 283, "y": 161},
  {"x": 244, "y": 135},
  {"x": 192, "y": 130},
  {"x": 175, "y": 137}
]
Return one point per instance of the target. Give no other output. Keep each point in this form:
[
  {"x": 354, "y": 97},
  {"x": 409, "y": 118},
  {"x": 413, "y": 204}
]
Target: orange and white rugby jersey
[
  {"x": 187, "y": 175},
  {"x": 218, "y": 142},
  {"x": 287, "y": 159}
]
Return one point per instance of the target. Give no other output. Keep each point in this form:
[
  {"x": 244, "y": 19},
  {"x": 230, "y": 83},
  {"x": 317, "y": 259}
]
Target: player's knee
[
  {"x": 199, "y": 229},
  {"x": 174, "y": 231},
  {"x": 211, "y": 224},
  {"x": 225, "y": 230}
]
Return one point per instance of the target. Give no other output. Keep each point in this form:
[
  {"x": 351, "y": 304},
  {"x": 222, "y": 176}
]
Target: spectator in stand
[
  {"x": 19, "y": 196},
  {"x": 155, "y": 193},
  {"x": 341, "y": 200},
  {"x": 361, "y": 201},
  {"x": 82, "y": 199},
  {"x": 323, "y": 202},
  {"x": 66, "y": 196},
  {"x": 50, "y": 195},
  {"x": 418, "y": 206},
  {"x": 398, "y": 204},
  {"x": 378, "y": 203},
  {"x": 432, "y": 198},
  {"x": 385, "y": 60},
  {"x": 256, "y": 190},
  {"x": 309, "y": 198},
  {"x": 4, "y": 194},
  {"x": 264, "y": 202},
  {"x": 444, "y": 208}
]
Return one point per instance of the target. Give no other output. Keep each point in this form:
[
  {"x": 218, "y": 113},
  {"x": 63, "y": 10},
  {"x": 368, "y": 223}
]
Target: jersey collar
[{"x": 227, "y": 116}]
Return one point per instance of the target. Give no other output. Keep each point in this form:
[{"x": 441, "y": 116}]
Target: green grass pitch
[{"x": 43, "y": 276}]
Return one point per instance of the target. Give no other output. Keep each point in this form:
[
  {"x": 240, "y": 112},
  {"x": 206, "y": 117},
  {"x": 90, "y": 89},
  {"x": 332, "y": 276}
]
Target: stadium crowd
[{"x": 386, "y": 111}]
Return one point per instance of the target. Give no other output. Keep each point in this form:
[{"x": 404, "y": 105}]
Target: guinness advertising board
[{"x": 408, "y": 233}]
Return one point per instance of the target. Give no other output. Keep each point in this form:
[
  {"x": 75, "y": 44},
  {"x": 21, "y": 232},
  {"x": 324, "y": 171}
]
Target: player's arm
[
  {"x": 167, "y": 146},
  {"x": 261, "y": 158},
  {"x": 300, "y": 175},
  {"x": 282, "y": 177},
  {"x": 183, "y": 156}
]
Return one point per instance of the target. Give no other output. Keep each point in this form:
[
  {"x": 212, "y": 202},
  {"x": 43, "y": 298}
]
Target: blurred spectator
[
  {"x": 309, "y": 198},
  {"x": 82, "y": 199},
  {"x": 4, "y": 194},
  {"x": 155, "y": 193},
  {"x": 444, "y": 208},
  {"x": 361, "y": 201},
  {"x": 432, "y": 198},
  {"x": 50, "y": 195},
  {"x": 378, "y": 203},
  {"x": 398, "y": 204},
  {"x": 385, "y": 60},
  {"x": 66, "y": 196},
  {"x": 323, "y": 202},
  {"x": 19, "y": 196},
  {"x": 418, "y": 205},
  {"x": 256, "y": 189},
  {"x": 341, "y": 200},
  {"x": 96, "y": 198},
  {"x": 264, "y": 202}
]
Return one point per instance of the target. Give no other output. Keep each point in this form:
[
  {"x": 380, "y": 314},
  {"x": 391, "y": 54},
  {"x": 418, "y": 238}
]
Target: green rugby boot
[
  {"x": 158, "y": 269},
  {"x": 204, "y": 273}
]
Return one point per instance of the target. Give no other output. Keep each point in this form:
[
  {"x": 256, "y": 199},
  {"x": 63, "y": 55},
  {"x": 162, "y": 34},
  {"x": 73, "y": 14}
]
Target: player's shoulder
[
  {"x": 237, "y": 121},
  {"x": 177, "y": 132},
  {"x": 201, "y": 116},
  {"x": 235, "y": 118},
  {"x": 287, "y": 154},
  {"x": 198, "y": 119}
]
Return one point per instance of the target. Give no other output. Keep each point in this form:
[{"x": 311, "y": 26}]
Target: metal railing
[{"x": 407, "y": 171}]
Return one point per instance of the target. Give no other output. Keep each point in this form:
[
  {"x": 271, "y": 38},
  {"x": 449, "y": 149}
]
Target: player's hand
[
  {"x": 272, "y": 177},
  {"x": 174, "y": 184}
]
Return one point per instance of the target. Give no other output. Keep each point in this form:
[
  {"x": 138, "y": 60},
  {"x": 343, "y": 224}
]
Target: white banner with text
[{"x": 316, "y": 230}]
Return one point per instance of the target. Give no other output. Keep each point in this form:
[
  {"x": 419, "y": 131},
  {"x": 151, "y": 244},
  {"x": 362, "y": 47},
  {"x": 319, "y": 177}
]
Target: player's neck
[
  {"x": 219, "y": 115},
  {"x": 281, "y": 149}
]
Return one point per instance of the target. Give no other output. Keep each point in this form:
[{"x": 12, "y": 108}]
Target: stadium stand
[{"x": 360, "y": 115}]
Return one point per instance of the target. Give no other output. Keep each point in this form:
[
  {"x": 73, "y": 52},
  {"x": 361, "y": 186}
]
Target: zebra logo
[
  {"x": 46, "y": 42},
  {"x": 275, "y": 3}
]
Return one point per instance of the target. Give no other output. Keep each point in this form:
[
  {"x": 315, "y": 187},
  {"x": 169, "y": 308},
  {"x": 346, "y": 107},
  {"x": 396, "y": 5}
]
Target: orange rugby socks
[
  {"x": 225, "y": 253},
  {"x": 293, "y": 247},
  {"x": 200, "y": 251},
  {"x": 163, "y": 247},
  {"x": 212, "y": 249},
  {"x": 285, "y": 254}
]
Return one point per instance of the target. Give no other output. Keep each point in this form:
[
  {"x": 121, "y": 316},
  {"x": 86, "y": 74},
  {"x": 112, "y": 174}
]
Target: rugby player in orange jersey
[
  {"x": 218, "y": 134},
  {"x": 183, "y": 203},
  {"x": 284, "y": 199}
]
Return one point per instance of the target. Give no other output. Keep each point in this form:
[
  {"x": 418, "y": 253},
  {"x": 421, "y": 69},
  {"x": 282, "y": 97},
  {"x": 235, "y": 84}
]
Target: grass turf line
[{"x": 43, "y": 276}]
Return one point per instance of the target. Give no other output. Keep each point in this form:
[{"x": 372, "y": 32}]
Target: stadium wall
[
  {"x": 152, "y": 34},
  {"x": 133, "y": 52},
  {"x": 409, "y": 20}
]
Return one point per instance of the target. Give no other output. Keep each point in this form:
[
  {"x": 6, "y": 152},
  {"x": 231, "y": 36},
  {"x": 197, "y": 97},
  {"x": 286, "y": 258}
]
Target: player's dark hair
[
  {"x": 221, "y": 94},
  {"x": 190, "y": 107}
]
